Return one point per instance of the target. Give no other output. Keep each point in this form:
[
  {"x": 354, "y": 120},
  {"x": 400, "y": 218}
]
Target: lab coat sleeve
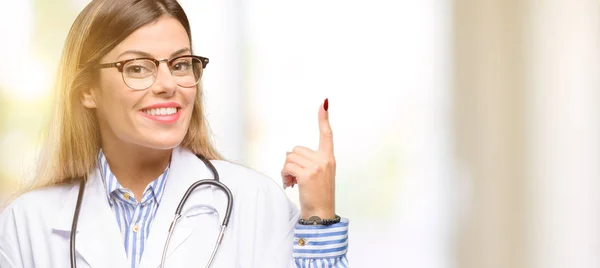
[
  {"x": 272, "y": 225},
  {"x": 268, "y": 233},
  {"x": 321, "y": 246},
  {"x": 9, "y": 256},
  {"x": 5, "y": 260}
]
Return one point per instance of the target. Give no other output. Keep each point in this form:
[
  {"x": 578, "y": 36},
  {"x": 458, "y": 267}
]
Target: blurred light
[
  {"x": 28, "y": 80},
  {"x": 22, "y": 76}
]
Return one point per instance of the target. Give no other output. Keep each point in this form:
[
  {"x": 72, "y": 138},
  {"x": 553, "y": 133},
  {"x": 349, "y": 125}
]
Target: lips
[
  {"x": 164, "y": 113},
  {"x": 160, "y": 111}
]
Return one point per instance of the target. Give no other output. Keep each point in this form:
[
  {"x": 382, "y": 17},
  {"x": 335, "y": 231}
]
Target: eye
[
  {"x": 136, "y": 69},
  {"x": 182, "y": 65},
  {"x": 139, "y": 68}
]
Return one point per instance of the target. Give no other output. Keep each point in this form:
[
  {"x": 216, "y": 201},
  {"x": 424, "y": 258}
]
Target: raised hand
[{"x": 314, "y": 172}]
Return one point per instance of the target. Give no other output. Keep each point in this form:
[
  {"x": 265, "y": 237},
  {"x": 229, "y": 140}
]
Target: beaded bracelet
[{"x": 316, "y": 220}]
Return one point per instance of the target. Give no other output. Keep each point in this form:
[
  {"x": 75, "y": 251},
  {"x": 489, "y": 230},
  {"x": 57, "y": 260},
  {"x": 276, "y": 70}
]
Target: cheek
[
  {"x": 115, "y": 99},
  {"x": 189, "y": 94},
  {"x": 189, "y": 98}
]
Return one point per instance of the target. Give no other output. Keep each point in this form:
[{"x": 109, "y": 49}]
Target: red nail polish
[{"x": 326, "y": 104}]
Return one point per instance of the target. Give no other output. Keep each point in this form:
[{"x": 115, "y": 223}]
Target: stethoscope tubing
[
  {"x": 75, "y": 221},
  {"x": 214, "y": 182}
]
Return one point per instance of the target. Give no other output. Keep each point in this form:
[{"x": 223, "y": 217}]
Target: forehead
[{"x": 159, "y": 39}]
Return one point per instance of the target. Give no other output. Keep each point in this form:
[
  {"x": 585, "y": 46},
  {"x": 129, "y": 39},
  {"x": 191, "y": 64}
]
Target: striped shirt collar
[{"x": 154, "y": 190}]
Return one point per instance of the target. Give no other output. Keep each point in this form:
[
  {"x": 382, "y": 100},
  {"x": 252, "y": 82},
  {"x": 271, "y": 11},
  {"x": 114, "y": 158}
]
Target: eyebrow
[{"x": 148, "y": 55}]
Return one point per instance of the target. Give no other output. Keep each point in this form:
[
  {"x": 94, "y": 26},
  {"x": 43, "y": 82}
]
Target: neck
[{"x": 135, "y": 166}]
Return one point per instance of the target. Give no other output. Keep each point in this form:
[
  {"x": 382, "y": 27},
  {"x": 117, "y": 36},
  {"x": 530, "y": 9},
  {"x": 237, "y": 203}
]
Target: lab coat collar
[
  {"x": 185, "y": 169},
  {"x": 106, "y": 175},
  {"x": 99, "y": 239}
]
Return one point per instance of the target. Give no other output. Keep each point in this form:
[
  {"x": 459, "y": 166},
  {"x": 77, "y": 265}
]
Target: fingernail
[{"x": 326, "y": 104}]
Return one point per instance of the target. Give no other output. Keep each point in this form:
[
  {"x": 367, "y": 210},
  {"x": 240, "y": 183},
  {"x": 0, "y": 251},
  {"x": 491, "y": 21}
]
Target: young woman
[{"x": 127, "y": 139}]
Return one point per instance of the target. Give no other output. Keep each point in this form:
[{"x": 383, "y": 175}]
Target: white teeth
[{"x": 161, "y": 111}]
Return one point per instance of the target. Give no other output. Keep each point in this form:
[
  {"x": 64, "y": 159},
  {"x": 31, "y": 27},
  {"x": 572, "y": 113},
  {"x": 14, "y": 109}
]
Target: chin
[
  {"x": 164, "y": 146},
  {"x": 163, "y": 143}
]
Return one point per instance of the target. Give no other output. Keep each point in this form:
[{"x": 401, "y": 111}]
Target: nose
[{"x": 165, "y": 83}]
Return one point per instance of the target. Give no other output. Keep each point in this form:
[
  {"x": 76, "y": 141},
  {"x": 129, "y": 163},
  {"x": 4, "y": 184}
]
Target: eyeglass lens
[{"x": 141, "y": 74}]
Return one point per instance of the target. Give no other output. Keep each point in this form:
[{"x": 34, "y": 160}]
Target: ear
[{"x": 88, "y": 98}]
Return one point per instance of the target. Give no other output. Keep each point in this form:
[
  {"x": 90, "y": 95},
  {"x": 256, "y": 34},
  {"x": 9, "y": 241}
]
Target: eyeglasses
[{"x": 140, "y": 73}]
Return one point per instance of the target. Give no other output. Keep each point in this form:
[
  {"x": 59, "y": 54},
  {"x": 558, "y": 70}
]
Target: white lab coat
[{"x": 35, "y": 228}]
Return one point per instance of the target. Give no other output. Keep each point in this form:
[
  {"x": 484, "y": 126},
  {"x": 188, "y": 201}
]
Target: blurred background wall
[
  {"x": 467, "y": 132},
  {"x": 489, "y": 110}
]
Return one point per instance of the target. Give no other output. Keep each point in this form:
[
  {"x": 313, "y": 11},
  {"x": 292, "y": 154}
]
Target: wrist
[
  {"x": 315, "y": 220},
  {"x": 323, "y": 214}
]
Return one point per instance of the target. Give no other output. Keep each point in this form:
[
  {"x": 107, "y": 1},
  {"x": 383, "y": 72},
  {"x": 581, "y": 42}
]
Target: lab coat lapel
[
  {"x": 98, "y": 239},
  {"x": 185, "y": 169}
]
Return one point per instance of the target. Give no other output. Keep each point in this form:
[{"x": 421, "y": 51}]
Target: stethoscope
[{"x": 214, "y": 182}]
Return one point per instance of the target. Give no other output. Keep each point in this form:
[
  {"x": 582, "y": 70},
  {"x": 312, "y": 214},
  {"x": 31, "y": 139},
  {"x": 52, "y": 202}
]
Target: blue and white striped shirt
[
  {"x": 321, "y": 246},
  {"x": 134, "y": 218},
  {"x": 314, "y": 245}
]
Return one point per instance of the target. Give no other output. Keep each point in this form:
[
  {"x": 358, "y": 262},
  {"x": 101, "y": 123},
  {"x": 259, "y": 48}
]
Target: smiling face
[{"x": 157, "y": 117}]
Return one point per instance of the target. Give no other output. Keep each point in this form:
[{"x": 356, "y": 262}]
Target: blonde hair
[{"x": 73, "y": 141}]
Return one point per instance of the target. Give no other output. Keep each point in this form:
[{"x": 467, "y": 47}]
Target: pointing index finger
[{"x": 326, "y": 134}]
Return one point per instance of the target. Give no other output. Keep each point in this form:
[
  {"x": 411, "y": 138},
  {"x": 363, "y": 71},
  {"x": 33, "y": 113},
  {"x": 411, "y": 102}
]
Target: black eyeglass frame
[{"x": 120, "y": 64}]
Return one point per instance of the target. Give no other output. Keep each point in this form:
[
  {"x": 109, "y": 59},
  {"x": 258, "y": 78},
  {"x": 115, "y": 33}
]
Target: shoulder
[
  {"x": 236, "y": 175},
  {"x": 39, "y": 204},
  {"x": 258, "y": 198},
  {"x": 253, "y": 191},
  {"x": 230, "y": 173},
  {"x": 28, "y": 221},
  {"x": 253, "y": 187}
]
